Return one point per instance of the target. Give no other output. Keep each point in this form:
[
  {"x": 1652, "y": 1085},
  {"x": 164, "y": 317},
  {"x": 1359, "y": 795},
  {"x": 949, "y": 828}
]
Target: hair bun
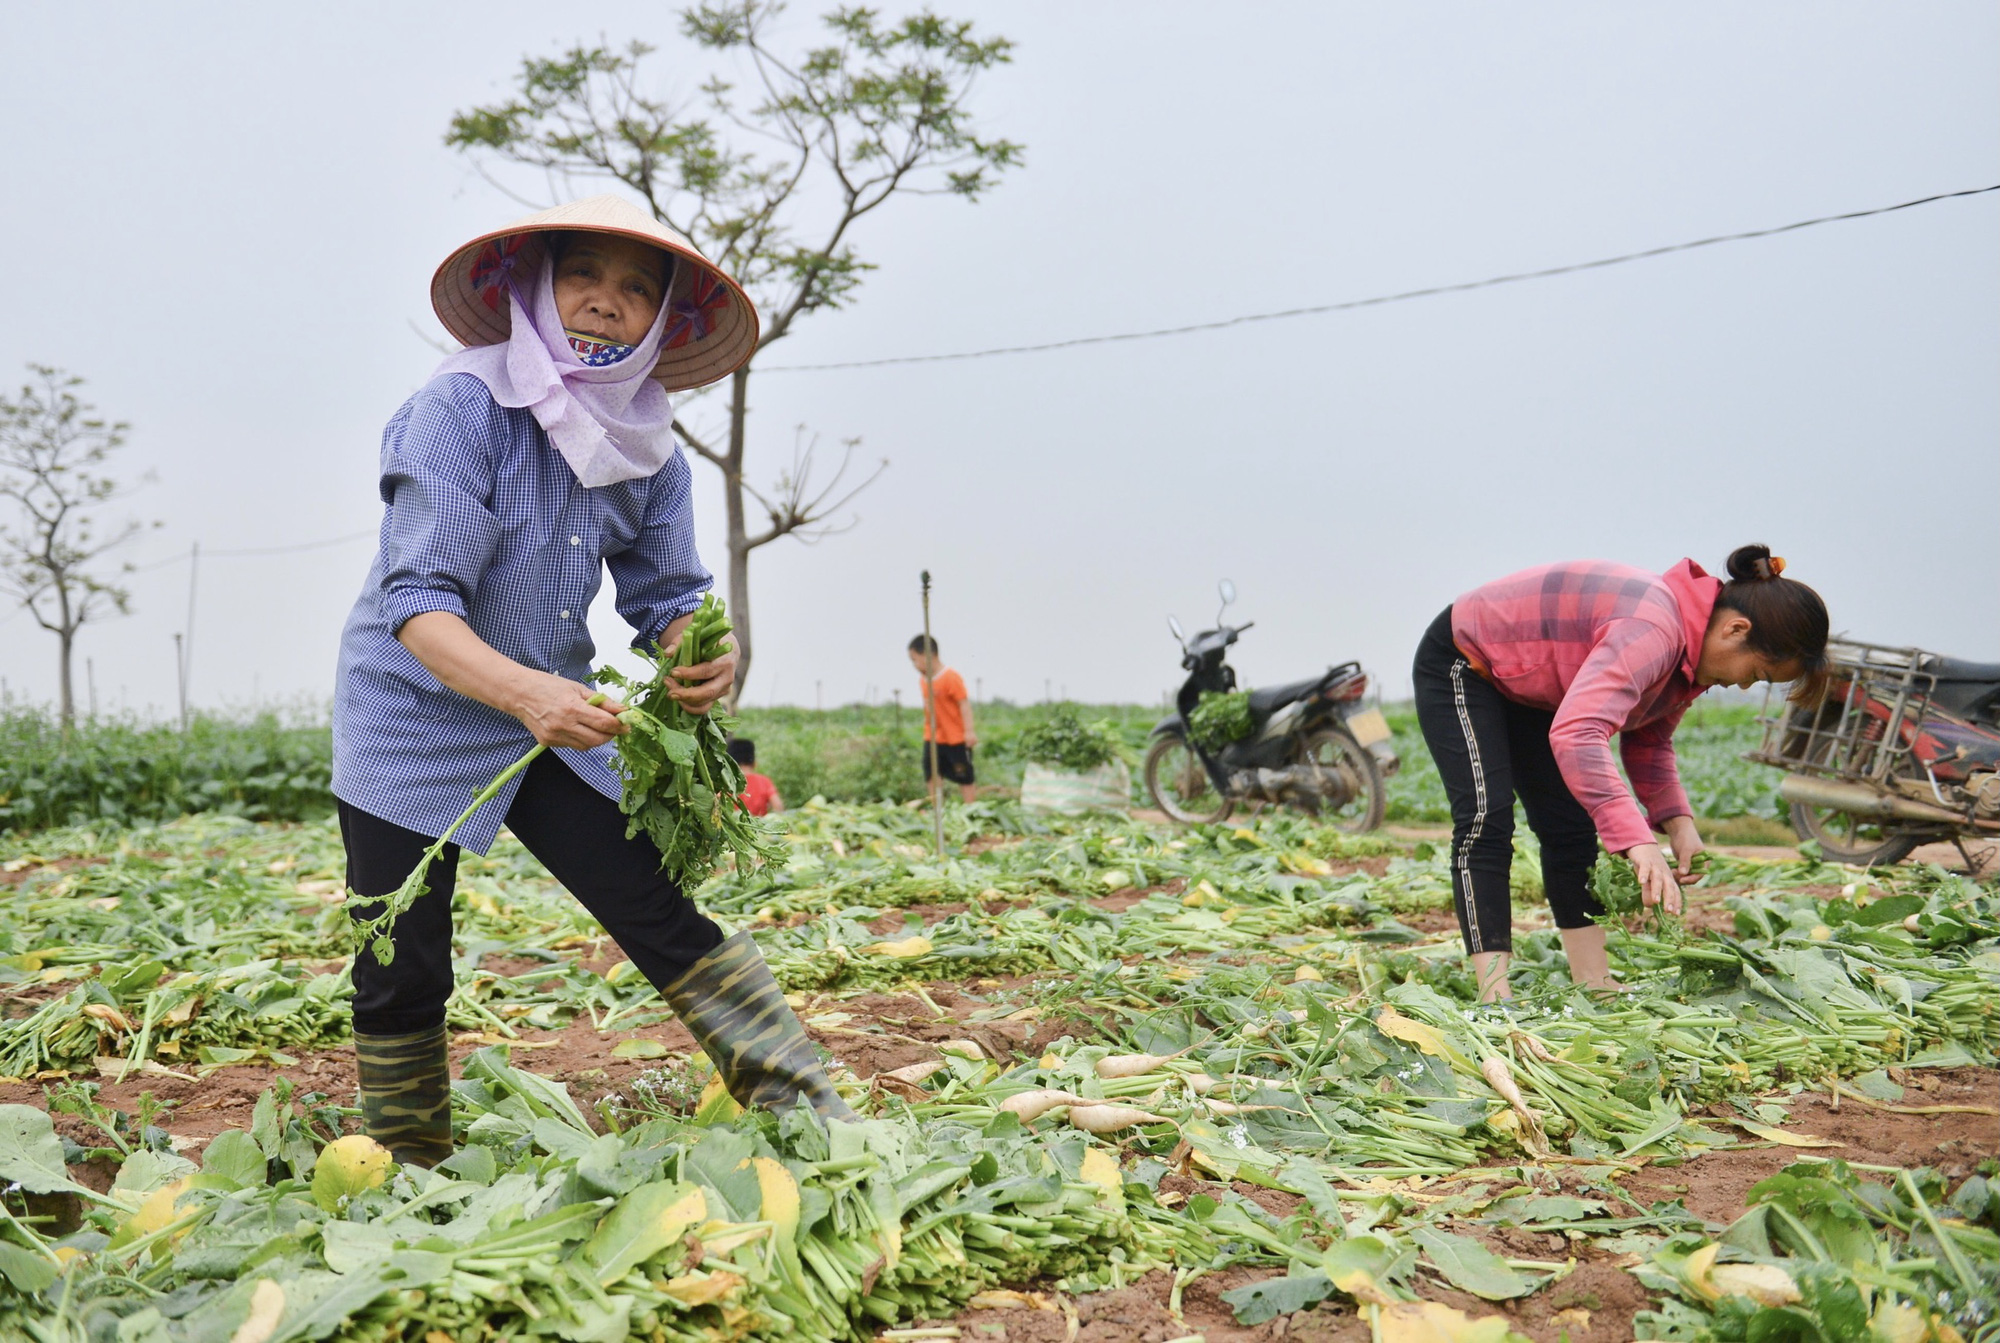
[{"x": 1750, "y": 563}]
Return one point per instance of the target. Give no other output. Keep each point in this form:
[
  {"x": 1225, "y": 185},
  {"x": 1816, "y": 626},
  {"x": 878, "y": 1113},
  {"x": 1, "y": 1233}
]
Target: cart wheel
[{"x": 1180, "y": 786}]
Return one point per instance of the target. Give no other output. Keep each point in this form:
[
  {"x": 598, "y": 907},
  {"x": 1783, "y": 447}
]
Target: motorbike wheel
[
  {"x": 1338, "y": 752},
  {"x": 1180, "y": 786},
  {"x": 1844, "y": 837}
]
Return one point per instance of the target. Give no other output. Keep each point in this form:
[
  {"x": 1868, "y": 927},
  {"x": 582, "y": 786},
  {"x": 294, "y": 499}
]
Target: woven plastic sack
[{"x": 1106, "y": 788}]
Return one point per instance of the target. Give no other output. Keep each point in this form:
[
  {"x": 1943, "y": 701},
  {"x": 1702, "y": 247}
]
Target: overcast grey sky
[{"x": 225, "y": 217}]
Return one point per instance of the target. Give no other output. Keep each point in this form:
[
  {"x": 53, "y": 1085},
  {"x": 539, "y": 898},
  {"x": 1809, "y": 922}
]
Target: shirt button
[
  {"x": 565, "y": 615},
  {"x": 576, "y": 540}
]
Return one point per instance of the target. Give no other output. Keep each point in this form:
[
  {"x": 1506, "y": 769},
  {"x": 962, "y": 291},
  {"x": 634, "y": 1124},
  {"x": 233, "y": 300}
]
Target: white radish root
[
  {"x": 1531, "y": 1046},
  {"x": 1114, "y": 1066},
  {"x": 1111, "y": 1118},
  {"x": 1032, "y": 1105},
  {"x": 1501, "y": 1078},
  {"x": 915, "y": 1072}
]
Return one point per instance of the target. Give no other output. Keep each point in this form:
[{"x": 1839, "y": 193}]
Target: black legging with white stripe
[{"x": 1489, "y": 750}]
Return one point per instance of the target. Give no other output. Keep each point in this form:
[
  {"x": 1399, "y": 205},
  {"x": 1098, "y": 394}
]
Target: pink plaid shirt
[{"x": 1608, "y": 648}]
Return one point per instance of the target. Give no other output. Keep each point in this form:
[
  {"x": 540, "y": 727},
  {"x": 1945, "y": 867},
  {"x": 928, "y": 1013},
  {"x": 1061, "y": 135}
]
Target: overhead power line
[
  {"x": 259, "y": 550},
  {"x": 1380, "y": 299}
]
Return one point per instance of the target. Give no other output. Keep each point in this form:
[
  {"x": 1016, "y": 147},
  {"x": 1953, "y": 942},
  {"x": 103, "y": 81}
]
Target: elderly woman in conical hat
[{"x": 532, "y": 461}]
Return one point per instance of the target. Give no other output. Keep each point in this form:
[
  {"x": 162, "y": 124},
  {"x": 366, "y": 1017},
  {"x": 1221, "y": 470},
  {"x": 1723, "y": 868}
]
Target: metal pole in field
[
  {"x": 930, "y": 721},
  {"x": 186, "y": 649}
]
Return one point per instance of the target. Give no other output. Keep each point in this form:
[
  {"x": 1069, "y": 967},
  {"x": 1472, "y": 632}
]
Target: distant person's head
[
  {"x": 1765, "y": 627},
  {"x": 743, "y": 751},
  {"x": 924, "y": 655}
]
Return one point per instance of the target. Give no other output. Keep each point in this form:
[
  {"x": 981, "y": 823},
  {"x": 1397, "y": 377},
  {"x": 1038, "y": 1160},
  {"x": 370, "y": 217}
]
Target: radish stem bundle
[
  {"x": 376, "y": 929},
  {"x": 681, "y": 787}
]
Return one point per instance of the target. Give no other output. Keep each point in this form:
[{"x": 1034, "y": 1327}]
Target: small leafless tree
[
  {"x": 772, "y": 182},
  {"x": 52, "y": 450}
]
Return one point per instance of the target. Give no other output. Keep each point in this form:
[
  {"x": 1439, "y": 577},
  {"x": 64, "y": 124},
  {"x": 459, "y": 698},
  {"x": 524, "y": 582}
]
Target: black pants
[
  {"x": 1489, "y": 749},
  {"x": 577, "y": 833}
]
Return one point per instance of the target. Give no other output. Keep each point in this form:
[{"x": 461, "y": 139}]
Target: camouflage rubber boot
[
  {"x": 406, "y": 1094},
  {"x": 741, "y": 1020}
]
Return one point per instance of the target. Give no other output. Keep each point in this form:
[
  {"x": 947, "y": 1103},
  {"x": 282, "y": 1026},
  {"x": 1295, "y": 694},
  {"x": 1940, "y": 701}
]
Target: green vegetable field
[{"x": 1119, "y": 1081}]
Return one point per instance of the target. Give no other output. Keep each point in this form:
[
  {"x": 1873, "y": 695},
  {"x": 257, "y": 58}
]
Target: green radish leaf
[
  {"x": 638, "y": 1048},
  {"x": 645, "y": 1222},
  {"x": 236, "y": 1157},
  {"x": 1267, "y": 1300},
  {"x": 1470, "y": 1266},
  {"x": 30, "y": 1153},
  {"x": 27, "y": 1273}
]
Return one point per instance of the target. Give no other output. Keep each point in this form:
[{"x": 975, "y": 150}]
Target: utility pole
[
  {"x": 184, "y": 648},
  {"x": 181, "y": 678},
  {"x": 930, "y": 720}
]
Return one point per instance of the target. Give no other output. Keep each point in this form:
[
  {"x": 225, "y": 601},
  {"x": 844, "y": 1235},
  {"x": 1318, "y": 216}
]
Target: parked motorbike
[
  {"x": 1904, "y": 750},
  {"x": 1315, "y": 745}
]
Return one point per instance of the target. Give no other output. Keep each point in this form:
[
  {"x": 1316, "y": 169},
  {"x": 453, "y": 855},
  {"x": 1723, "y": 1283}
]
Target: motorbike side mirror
[
  {"x": 1180, "y": 635},
  {"x": 1227, "y": 590}
]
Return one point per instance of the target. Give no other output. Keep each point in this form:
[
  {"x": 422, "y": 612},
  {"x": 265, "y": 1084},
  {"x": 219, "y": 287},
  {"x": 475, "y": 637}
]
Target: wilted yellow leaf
[
  {"x": 1101, "y": 1168},
  {"x": 1399, "y": 1027},
  {"x": 346, "y": 1167},
  {"x": 780, "y": 1195},
  {"x": 902, "y": 950},
  {"x": 155, "y": 1212},
  {"x": 1899, "y": 1322},
  {"x": 1430, "y": 1322},
  {"x": 1007, "y": 1299},
  {"x": 267, "y": 1307},
  {"x": 716, "y": 1105},
  {"x": 1305, "y": 974},
  {"x": 698, "y": 1289},
  {"x": 106, "y": 1012},
  {"x": 1778, "y": 1135}
]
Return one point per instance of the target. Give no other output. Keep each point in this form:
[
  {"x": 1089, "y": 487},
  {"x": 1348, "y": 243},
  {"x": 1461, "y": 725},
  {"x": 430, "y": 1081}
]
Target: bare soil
[{"x": 872, "y": 1033}]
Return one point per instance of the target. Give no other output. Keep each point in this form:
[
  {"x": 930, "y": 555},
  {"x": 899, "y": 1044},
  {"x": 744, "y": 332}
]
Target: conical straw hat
[{"x": 711, "y": 326}]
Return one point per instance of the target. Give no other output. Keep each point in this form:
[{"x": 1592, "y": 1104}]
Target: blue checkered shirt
[{"x": 485, "y": 520}]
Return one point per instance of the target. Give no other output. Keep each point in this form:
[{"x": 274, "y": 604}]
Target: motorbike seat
[
  {"x": 1968, "y": 689},
  {"x": 1265, "y": 702},
  {"x": 1959, "y": 670}
]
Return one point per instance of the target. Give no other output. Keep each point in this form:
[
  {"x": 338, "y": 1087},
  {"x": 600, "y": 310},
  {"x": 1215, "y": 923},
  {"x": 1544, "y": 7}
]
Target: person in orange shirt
[
  {"x": 955, "y": 733},
  {"x": 760, "y": 795}
]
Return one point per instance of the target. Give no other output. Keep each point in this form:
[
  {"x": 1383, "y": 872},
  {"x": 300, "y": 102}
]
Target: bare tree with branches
[
  {"x": 770, "y": 184},
  {"x": 52, "y": 446}
]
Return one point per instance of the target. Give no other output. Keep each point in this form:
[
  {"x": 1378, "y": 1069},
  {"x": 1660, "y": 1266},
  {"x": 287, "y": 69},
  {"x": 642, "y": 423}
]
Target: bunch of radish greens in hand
[{"x": 681, "y": 787}]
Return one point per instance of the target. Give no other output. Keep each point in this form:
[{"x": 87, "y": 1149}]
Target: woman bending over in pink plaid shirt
[{"x": 1521, "y": 684}]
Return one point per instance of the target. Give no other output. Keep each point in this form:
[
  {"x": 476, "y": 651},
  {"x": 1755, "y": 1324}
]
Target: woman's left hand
[
  {"x": 1686, "y": 842},
  {"x": 705, "y": 682}
]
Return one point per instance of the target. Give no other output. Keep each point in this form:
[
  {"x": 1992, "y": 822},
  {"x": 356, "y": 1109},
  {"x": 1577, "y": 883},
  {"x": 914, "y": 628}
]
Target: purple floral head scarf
[{"x": 607, "y": 417}]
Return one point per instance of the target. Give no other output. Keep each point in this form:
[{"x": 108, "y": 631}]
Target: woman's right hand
[
  {"x": 1657, "y": 883},
  {"x": 559, "y": 712}
]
